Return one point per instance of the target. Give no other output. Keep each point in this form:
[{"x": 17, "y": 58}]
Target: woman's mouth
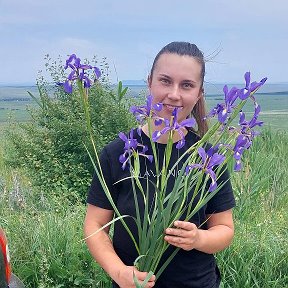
[{"x": 171, "y": 107}]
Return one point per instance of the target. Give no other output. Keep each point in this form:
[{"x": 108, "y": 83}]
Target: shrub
[{"x": 50, "y": 147}]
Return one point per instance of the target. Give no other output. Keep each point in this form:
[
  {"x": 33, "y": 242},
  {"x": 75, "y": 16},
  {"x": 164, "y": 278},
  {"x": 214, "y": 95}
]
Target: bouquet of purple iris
[{"x": 200, "y": 165}]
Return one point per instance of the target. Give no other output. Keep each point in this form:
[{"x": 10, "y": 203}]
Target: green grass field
[
  {"x": 45, "y": 234},
  {"x": 274, "y": 110},
  {"x": 45, "y": 231}
]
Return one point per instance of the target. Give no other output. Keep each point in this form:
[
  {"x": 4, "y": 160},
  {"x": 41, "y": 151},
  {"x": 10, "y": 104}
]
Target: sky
[{"x": 235, "y": 36}]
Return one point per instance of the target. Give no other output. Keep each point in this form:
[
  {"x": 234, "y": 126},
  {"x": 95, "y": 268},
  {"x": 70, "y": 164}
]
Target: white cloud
[{"x": 130, "y": 33}]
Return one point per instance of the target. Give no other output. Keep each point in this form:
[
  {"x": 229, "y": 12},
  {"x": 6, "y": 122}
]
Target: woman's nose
[{"x": 174, "y": 93}]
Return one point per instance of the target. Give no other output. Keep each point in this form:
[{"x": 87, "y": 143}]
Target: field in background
[
  {"x": 46, "y": 238},
  {"x": 274, "y": 105},
  {"x": 46, "y": 235}
]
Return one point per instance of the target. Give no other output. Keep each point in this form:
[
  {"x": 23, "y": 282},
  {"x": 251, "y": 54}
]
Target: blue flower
[
  {"x": 209, "y": 160},
  {"x": 223, "y": 110},
  {"x": 246, "y": 127},
  {"x": 246, "y": 136},
  {"x": 244, "y": 93},
  {"x": 78, "y": 72},
  {"x": 141, "y": 113},
  {"x": 174, "y": 126},
  {"x": 132, "y": 146},
  {"x": 241, "y": 144}
]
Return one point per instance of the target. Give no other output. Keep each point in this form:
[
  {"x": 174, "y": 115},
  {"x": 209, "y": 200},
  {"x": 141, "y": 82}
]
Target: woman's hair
[{"x": 189, "y": 49}]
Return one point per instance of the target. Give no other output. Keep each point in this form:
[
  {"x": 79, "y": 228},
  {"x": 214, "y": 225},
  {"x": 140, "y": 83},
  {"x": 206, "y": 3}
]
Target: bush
[
  {"x": 257, "y": 256},
  {"x": 46, "y": 239},
  {"x": 50, "y": 147}
]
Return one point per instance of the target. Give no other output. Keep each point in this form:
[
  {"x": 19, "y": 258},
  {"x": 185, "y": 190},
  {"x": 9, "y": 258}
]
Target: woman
[{"x": 176, "y": 81}]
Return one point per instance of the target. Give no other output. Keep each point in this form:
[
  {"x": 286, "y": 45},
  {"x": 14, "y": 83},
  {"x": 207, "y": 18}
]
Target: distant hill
[
  {"x": 11, "y": 84},
  {"x": 134, "y": 82}
]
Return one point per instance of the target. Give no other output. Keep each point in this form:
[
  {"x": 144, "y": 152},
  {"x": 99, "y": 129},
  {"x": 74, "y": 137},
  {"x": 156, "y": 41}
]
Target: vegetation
[
  {"x": 51, "y": 147},
  {"x": 44, "y": 176},
  {"x": 258, "y": 256},
  {"x": 45, "y": 231}
]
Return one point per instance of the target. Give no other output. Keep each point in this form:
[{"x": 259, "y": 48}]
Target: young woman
[{"x": 176, "y": 81}]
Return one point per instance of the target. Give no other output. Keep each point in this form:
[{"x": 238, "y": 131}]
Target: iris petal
[
  {"x": 247, "y": 79},
  {"x": 189, "y": 122},
  {"x": 97, "y": 72},
  {"x": 202, "y": 154},
  {"x": 180, "y": 144},
  {"x": 216, "y": 159},
  {"x": 122, "y": 136},
  {"x": 213, "y": 185},
  {"x": 68, "y": 86}
]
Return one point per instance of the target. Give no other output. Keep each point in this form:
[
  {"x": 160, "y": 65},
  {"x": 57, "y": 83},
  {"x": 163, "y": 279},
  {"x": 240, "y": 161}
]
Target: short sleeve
[
  {"x": 224, "y": 199},
  {"x": 96, "y": 194}
]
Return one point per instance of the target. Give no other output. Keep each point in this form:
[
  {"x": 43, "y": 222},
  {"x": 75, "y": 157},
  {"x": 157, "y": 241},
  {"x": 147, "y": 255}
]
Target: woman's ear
[
  {"x": 149, "y": 80},
  {"x": 149, "y": 84},
  {"x": 201, "y": 93}
]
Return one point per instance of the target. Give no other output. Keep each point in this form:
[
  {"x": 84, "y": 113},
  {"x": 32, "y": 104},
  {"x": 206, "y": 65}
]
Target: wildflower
[
  {"x": 78, "y": 72},
  {"x": 209, "y": 160},
  {"x": 223, "y": 110},
  {"x": 241, "y": 144},
  {"x": 244, "y": 93},
  {"x": 174, "y": 126},
  {"x": 247, "y": 126},
  {"x": 143, "y": 112},
  {"x": 246, "y": 135},
  {"x": 131, "y": 146}
]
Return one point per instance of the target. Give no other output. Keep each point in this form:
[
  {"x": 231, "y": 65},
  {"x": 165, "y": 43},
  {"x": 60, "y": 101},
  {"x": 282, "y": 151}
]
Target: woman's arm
[
  {"x": 101, "y": 248},
  {"x": 219, "y": 235}
]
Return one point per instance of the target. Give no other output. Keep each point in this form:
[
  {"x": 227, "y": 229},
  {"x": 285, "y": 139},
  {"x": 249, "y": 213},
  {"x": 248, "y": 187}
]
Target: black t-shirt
[{"x": 191, "y": 269}]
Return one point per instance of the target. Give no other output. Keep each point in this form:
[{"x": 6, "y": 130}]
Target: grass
[
  {"x": 45, "y": 231},
  {"x": 258, "y": 256},
  {"x": 46, "y": 239},
  {"x": 45, "y": 234}
]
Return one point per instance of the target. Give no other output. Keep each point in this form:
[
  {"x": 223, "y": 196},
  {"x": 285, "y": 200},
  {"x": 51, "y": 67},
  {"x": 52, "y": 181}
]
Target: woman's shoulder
[
  {"x": 192, "y": 137},
  {"x": 116, "y": 146}
]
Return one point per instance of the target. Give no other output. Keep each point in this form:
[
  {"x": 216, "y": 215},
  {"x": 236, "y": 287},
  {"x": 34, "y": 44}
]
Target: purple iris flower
[
  {"x": 247, "y": 126},
  {"x": 78, "y": 72},
  {"x": 250, "y": 87},
  {"x": 223, "y": 110},
  {"x": 209, "y": 160},
  {"x": 174, "y": 126},
  {"x": 131, "y": 146},
  {"x": 143, "y": 112},
  {"x": 242, "y": 143},
  {"x": 246, "y": 135}
]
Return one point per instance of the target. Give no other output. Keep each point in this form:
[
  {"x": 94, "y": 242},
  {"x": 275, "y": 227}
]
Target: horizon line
[{"x": 136, "y": 83}]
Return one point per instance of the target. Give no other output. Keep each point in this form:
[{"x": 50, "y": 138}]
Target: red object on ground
[{"x": 5, "y": 252}]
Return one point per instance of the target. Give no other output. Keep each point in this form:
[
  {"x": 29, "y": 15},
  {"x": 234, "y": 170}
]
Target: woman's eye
[
  {"x": 187, "y": 85},
  {"x": 164, "y": 81}
]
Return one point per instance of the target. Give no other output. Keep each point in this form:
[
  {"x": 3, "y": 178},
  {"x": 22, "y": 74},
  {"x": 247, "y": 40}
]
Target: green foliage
[
  {"x": 45, "y": 233},
  {"x": 48, "y": 250},
  {"x": 45, "y": 230},
  {"x": 258, "y": 255},
  {"x": 51, "y": 146}
]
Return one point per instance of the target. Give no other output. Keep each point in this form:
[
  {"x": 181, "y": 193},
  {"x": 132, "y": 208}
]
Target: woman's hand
[
  {"x": 217, "y": 237},
  {"x": 126, "y": 277},
  {"x": 184, "y": 235}
]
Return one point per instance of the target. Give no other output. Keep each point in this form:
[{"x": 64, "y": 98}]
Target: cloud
[{"x": 130, "y": 33}]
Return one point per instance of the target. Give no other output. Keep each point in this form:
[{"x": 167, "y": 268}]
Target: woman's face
[{"x": 176, "y": 82}]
